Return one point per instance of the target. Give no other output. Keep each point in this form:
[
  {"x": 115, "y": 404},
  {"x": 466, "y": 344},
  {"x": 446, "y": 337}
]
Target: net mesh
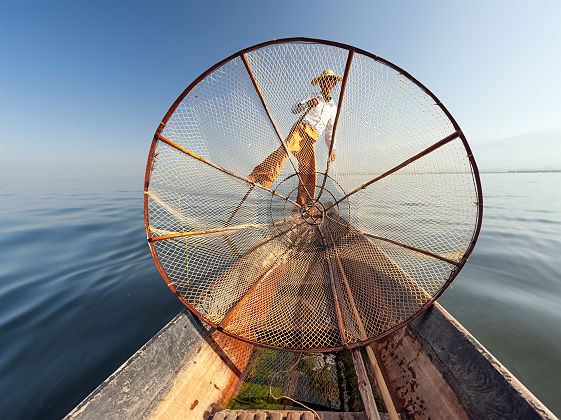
[{"x": 263, "y": 238}]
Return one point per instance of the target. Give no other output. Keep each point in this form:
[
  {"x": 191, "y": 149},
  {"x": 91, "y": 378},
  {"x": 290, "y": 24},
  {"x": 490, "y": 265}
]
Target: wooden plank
[
  {"x": 182, "y": 370},
  {"x": 405, "y": 292},
  {"x": 364, "y": 386},
  {"x": 334, "y": 289},
  {"x": 419, "y": 387},
  {"x": 483, "y": 386},
  {"x": 288, "y": 414},
  {"x": 388, "y": 401}
]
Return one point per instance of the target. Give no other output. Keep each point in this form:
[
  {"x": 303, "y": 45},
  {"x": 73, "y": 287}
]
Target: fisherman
[{"x": 319, "y": 116}]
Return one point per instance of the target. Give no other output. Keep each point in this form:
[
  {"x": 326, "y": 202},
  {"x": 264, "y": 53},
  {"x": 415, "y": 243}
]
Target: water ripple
[{"x": 79, "y": 292}]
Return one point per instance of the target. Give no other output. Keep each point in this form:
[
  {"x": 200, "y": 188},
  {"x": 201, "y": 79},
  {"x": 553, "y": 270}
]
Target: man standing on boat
[{"x": 319, "y": 117}]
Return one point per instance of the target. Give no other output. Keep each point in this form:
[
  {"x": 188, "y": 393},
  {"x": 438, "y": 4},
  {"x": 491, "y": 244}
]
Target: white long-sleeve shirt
[{"x": 321, "y": 116}]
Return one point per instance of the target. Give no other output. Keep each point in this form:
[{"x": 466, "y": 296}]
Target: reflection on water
[{"x": 79, "y": 292}]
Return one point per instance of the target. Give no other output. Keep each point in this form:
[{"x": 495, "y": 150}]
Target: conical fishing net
[{"x": 264, "y": 237}]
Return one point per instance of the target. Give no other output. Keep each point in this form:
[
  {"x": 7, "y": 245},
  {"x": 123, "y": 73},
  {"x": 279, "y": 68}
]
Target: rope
[{"x": 275, "y": 374}]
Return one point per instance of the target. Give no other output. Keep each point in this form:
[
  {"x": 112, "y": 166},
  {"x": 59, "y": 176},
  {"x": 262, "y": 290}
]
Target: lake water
[{"x": 79, "y": 292}]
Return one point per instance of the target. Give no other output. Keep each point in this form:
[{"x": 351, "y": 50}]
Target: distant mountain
[{"x": 537, "y": 151}]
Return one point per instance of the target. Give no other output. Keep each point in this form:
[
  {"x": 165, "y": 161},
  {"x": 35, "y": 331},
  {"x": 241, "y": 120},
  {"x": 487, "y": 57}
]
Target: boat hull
[{"x": 434, "y": 368}]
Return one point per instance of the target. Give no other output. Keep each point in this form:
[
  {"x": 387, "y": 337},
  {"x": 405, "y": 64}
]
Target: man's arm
[{"x": 309, "y": 102}]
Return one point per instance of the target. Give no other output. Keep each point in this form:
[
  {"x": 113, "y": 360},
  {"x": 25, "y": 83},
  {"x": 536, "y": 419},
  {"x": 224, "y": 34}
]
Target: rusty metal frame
[{"x": 474, "y": 171}]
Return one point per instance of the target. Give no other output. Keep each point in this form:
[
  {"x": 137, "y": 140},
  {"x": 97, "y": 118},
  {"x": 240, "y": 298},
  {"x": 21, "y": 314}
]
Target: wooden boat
[
  {"x": 330, "y": 287},
  {"x": 431, "y": 368},
  {"x": 434, "y": 368}
]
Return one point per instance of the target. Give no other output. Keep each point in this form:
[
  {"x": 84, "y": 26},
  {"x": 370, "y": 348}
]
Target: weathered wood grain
[
  {"x": 483, "y": 386},
  {"x": 185, "y": 368},
  {"x": 419, "y": 387},
  {"x": 288, "y": 415},
  {"x": 364, "y": 386}
]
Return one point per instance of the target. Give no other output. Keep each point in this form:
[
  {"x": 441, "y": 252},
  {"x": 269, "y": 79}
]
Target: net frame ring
[
  {"x": 312, "y": 212},
  {"x": 341, "y": 209},
  {"x": 156, "y": 238}
]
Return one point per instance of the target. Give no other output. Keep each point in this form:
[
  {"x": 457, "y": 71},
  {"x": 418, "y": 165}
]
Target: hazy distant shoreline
[{"x": 522, "y": 171}]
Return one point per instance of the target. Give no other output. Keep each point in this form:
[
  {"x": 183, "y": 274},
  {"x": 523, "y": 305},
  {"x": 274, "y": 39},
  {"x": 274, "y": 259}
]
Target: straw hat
[{"x": 326, "y": 73}]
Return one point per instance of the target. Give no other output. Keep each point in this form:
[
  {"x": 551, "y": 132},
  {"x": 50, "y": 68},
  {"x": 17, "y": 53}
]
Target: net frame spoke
[
  {"x": 221, "y": 169},
  {"x": 403, "y": 164},
  {"x": 341, "y": 97},
  {"x": 410, "y": 247},
  {"x": 207, "y": 231},
  {"x": 283, "y": 143}
]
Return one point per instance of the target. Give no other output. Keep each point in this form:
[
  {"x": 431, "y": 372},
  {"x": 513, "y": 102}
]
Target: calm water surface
[{"x": 79, "y": 292}]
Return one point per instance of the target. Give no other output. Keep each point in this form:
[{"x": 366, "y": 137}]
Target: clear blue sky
[{"x": 84, "y": 84}]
